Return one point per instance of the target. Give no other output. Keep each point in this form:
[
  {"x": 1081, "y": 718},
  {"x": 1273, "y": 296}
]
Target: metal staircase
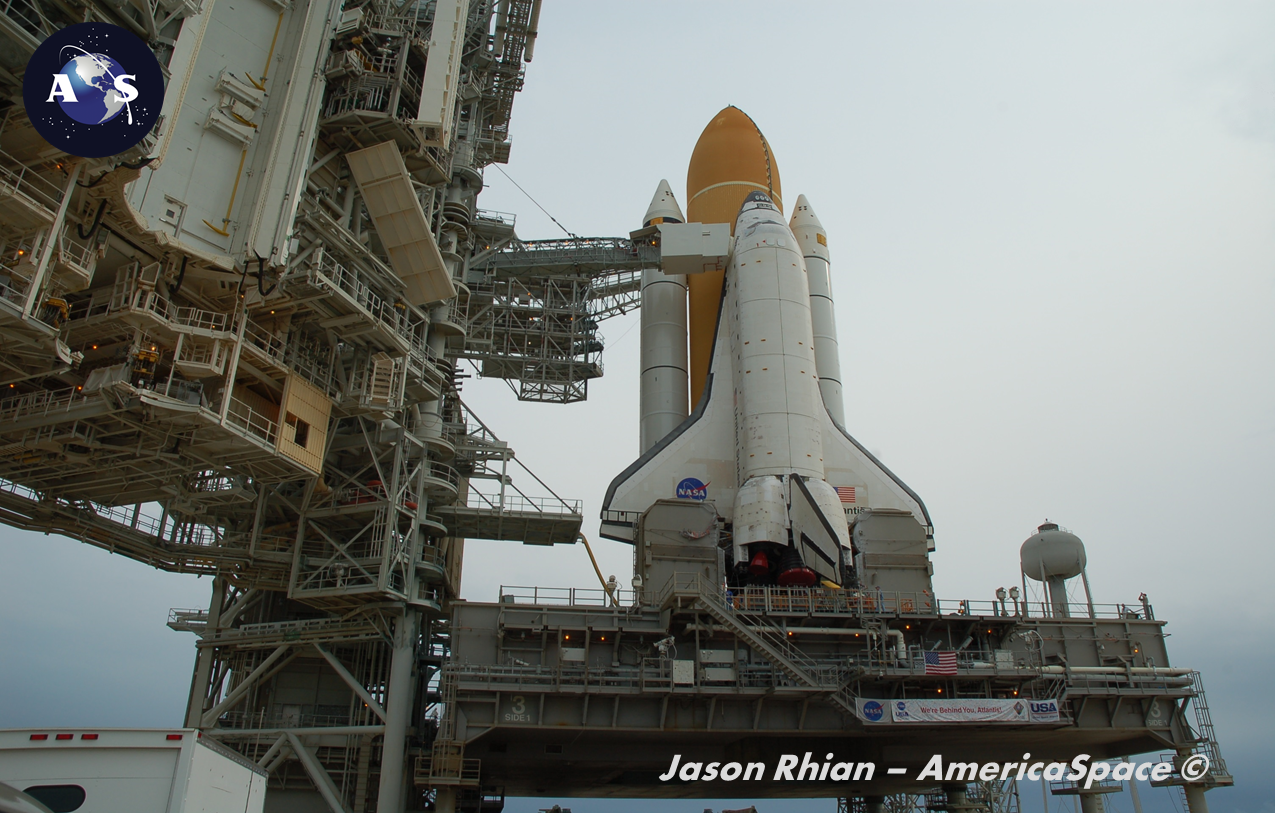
[
  {"x": 446, "y": 764},
  {"x": 758, "y": 634}
]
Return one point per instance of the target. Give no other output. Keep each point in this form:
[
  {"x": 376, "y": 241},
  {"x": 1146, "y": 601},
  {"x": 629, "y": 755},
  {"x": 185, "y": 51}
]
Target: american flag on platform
[
  {"x": 846, "y": 494},
  {"x": 940, "y": 663}
]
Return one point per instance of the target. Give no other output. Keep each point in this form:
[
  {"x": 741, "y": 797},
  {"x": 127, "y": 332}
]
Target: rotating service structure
[{"x": 236, "y": 351}]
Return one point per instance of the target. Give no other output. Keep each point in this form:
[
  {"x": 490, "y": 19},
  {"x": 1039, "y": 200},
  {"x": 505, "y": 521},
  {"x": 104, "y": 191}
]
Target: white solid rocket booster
[
  {"x": 813, "y": 240},
  {"x": 664, "y": 399}
]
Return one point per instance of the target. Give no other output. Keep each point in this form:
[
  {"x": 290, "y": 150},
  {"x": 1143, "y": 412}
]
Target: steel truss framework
[{"x": 292, "y": 429}]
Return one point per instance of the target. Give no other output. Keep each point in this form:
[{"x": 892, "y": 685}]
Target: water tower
[{"x": 1053, "y": 556}]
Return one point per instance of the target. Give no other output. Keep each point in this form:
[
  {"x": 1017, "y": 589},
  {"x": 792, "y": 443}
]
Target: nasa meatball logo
[
  {"x": 872, "y": 711},
  {"x": 93, "y": 90},
  {"x": 692, "y": 488}
]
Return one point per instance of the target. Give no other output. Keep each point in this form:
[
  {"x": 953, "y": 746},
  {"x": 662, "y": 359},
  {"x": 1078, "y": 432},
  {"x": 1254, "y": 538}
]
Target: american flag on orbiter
[{"x": 846, "y": 494}]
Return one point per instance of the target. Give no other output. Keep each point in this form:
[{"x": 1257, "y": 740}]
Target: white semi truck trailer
[{"x": 118, "y": 770}]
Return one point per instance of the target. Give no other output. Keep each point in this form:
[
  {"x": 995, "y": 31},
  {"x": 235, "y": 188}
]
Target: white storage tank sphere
[{"x": 1052, "y": 552}]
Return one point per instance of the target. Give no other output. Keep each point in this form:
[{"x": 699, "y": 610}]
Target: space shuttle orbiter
[{"x": 765, "y": 442}]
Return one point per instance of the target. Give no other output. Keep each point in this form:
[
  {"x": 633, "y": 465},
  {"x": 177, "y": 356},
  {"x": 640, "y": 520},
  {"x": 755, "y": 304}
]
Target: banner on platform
[{"x": 931, "y": 711}]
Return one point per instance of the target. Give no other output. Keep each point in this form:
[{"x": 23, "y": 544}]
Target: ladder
[{"x": 1204, "y": 726}]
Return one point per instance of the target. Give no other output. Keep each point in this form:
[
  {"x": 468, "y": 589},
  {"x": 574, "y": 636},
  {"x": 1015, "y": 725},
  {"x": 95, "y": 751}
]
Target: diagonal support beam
[
  {"x": 278, "y": 746},
  {"x": 210, "y": 718},
  {"x": 354, "y": 684},
  {"x": 284, "y": 753},
  {"x": 317, "y": 774},
  {"x": 228, "y": 616}
]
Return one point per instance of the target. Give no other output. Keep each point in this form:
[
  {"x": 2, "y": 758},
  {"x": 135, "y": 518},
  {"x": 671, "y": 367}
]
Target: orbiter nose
[{"x": 754, "y": 197}]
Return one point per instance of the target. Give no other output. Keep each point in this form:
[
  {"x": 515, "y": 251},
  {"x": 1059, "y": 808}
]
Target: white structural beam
[
  {"x": 442, "y": 73},
  {"x": 210, "y": 718},
  {"x": 317, "y": 774},
  {"x": 400, "y": 222},
  {"x": 349, "y": 679}
]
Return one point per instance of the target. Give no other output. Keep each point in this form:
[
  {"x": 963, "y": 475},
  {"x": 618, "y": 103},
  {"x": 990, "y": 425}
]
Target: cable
[
  {"x": 97, "y": 221},
  {"x": 181, "y": 277},
  {"x": 139, "y": 165},
  {"x": 261, "y": 276},
  {"x": 244, "y": 277},
  {"x": 570, "y": 234}
]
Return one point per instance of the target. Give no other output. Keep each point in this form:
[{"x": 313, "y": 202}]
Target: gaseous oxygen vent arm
[{"x": 605, "y": 586}]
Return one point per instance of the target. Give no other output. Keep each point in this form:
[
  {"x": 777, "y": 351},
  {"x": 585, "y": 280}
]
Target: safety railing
[
  {"x": 779, "y": 600},
  {"x": 1037, "y": 610},
  {"x": 12, "y": 293},
  {"x": 290, "y": 353},
  {"x": 107, "y": 301},
  {"x": 461, "y": 771},
  {"x": 299, "y": 627},
  {"x": 263, "y": 339},
  {"x": 431, "y": 556},
  {"x": 477, "y": 438},
  {"x": 146, "y": 520},
  {"x": 18, "y": 179},
  {"x": 439, "y": 472},
  {"x": 43, "y": 403},
  {"x": 187, "y": 616},
  {"x": 513, "y": 502},
  {"x": 425, "y": 364},
  {"x": 242, "y": 416},
  {"x": 373, "y": 492},
  {"x": 650, "y": 674},
  {"x": 539, "y": 595},
  {"x": 393, "y": 316},
  {"x": 76, "y": 252},
  {"x": 27, "y": 15},
  {"x": 212, "y": 482},
  {"x": 494, "y": 217},
  {"x": 240, "y": 720}
]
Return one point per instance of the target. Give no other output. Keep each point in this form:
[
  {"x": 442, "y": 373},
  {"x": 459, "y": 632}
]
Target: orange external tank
[{"x": 731, "y": 159}]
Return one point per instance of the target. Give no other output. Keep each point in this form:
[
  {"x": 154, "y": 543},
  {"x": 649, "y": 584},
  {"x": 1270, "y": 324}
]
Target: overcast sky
[{"x": 1052, "y": 229}]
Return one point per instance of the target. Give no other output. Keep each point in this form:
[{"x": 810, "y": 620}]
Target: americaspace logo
[{"x": 93, "y": 89}]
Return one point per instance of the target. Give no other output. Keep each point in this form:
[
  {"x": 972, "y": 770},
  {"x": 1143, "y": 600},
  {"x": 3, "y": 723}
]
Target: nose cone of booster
[
  {"x": 807, "y": 229},
  {"x": 663, "y": 208},
  {"x": 731, "y": 159}
]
